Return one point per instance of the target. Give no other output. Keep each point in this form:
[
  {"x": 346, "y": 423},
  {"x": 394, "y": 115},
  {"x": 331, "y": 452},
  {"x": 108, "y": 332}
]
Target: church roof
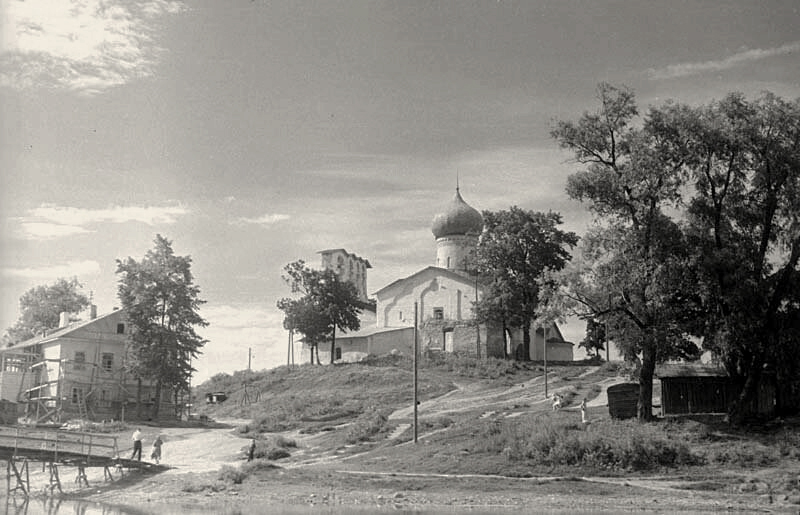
[
  {"x": 459, "y": 218},
  {"x": 429, "y": 270}
]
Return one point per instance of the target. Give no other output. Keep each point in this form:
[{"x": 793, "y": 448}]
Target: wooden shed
[
  {"x": 694, "y": 388},
  {"x": 698, "y": 388}
]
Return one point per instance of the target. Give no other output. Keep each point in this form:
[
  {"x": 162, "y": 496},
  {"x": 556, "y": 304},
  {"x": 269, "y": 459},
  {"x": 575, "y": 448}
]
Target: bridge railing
[{"x": 58, "y": 445}]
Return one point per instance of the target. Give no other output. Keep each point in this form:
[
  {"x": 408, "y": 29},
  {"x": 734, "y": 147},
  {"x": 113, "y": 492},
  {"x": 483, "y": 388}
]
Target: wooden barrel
[{"x": 622, "y": 400}]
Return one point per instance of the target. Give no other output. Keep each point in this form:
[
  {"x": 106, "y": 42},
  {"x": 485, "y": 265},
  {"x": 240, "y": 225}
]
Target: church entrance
[{"x": 448, "y": 341}]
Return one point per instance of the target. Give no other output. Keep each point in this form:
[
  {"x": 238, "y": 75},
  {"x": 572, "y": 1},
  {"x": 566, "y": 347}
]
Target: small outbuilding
[
  {"x": 216, "y": 397},
  {"x": 688, "y": 388}
]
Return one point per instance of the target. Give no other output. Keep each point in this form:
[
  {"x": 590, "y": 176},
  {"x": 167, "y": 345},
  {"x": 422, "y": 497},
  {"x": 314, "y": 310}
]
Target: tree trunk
[
  {"x": 316, "y": 348},
  {"x": 312, "y": 354},
  {"x": 139, "y": 398},
  {"x": 157, "y": 401},
  {"x": 526, "y": 341},
  {"x": 744, "y": 406},
  {"x": 644, "y": 408},
  {"x": 333, "y": 343}
]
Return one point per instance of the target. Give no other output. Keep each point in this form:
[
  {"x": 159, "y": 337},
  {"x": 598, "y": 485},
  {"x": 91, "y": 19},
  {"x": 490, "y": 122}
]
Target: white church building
[{"x": 444, "y": 294}]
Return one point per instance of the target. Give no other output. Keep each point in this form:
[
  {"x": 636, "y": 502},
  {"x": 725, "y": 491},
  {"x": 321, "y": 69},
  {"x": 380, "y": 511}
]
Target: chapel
[{"x": 443, "y": 294}]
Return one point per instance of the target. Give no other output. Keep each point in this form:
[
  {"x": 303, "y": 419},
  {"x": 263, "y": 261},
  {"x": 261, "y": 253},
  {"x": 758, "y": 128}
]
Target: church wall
[
  {"x": 454, "y": 252},
  {"x": 348, "y": 268},
  {"x": 455, "y": 299},
  {"x": 378, "y": 344}
]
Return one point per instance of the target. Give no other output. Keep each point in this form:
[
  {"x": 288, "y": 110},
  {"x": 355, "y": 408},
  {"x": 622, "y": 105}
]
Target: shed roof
[{"x": 689, "y": 370}]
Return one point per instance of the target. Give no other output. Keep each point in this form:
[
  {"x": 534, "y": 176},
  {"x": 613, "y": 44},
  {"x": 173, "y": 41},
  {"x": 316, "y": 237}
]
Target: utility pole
[
  {"x": 415, "y": 372},
  {"x": 249, "y": 357},
  {"x": 477, "y": 325},
  {"x": 544, "y": 346}
]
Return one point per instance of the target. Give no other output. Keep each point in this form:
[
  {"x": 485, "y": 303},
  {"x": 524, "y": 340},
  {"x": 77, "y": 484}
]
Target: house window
[
  {"x": 77, "y": 394},
  {"x": 108, "y": 361},
  {"x": 438, "y": 313},
  {"x": 338, "y": 353},
  {"x": 120, "y": 328},
  {"x": 80, "y": 359}
]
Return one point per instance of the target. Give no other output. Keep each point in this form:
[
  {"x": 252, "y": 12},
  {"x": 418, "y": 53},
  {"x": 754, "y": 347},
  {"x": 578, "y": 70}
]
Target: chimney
[
  {"x": 63, "y": 319},
  {"x": 92, "y": 312}
]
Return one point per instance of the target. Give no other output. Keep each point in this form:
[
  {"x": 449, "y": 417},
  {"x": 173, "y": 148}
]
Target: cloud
[
  {"x": 685, "y": 69},
  {"x": 46, "y": 230},
  {"x": 50, "y": 221},
  {"x": 266, "y": 219},
  {"x": 71, "y": 269},
  {"x": 241, "y": 316},
  {"x": 85, "y": 46},
  {"x": 236, "y": 331}
]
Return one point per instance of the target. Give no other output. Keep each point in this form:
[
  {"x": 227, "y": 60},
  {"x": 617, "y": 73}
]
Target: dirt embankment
[{"x": 316, "y": 475}]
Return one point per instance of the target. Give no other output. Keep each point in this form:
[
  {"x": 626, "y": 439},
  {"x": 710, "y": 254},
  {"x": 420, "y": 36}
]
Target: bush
[
  {"x": 561, "y": 440},
  {"x": 233, "y": 475},
  {"x": 257, "y": 466},
  {"x": 366, "y": 426},
  {"x": 201, "y": 487},
  {"x": 276, "y": 453},
  {"x": 272, "y": 448}
]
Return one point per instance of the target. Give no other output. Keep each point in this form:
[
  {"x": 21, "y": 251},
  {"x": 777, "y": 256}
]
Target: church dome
[{"x": 458, "y": 219}]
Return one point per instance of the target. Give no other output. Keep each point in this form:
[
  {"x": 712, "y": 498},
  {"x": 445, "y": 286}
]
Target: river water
[{"x": 19, "y": 505}]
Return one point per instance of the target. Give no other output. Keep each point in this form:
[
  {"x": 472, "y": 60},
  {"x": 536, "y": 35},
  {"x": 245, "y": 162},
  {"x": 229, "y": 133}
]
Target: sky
[{"x": 253, "y": 133}]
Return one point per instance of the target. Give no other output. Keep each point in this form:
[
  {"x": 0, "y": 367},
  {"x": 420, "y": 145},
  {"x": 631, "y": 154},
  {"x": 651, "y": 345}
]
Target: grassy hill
[{"x": 476, "y": 416}]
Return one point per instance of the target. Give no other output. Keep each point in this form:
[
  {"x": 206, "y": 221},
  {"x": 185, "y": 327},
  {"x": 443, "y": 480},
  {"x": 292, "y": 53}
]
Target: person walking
[
  {"x": 156, "y": 454},
  {"x": 137, "y": 444},
  {"x": 252, "y": 450}
]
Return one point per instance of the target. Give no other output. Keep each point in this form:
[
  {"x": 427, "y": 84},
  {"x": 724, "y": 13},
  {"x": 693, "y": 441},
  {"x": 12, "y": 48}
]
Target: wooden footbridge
[{"x": 20, "y": 447}]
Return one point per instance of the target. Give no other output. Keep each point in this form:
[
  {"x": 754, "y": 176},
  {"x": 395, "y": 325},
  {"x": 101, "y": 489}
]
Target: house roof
[
  {"x": 689, "y": 370},
  {"x": 363, "y": 333},
  {"x": 435, "y": 269},
  {"x": 54, "y": 334},
  {"x": 369, "y": 331}
]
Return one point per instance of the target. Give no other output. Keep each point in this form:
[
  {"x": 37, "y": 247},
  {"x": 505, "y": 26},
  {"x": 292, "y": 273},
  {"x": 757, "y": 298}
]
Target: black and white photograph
[{"x": 415, "y": 256}]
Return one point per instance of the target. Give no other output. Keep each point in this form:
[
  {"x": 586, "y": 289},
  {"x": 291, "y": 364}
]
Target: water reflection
[{"x": 20, "y": 505}]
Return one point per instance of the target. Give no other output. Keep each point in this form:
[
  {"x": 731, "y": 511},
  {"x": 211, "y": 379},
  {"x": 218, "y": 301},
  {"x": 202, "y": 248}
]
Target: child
[{"x": 156, "y": 454}]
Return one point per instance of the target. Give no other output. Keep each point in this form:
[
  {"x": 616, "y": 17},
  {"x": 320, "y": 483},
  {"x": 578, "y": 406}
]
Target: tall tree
[
  {"x": 744, "y": 224},
  {"x": 302, "y": 316},
  {"x": 595, "y": 339},
  {"x": 162, "y": 304},
  {"x": 631, "y": 178},
  {"x": 326, "y": 304},
  {"x": 41, "y": 307},
  {"x": 514, "y": 250}
]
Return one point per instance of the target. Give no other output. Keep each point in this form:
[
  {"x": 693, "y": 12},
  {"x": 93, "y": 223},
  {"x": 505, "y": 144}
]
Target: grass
[
  {"x": 310, "y": 397},
  {"x": 349, "y": 404},
  {"x": 562, "y": 440},
  {"x": 367, "y": 426}
]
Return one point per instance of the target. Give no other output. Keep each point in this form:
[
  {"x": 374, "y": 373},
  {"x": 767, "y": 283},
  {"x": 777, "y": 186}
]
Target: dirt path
[{"x": 201, "y": 449}]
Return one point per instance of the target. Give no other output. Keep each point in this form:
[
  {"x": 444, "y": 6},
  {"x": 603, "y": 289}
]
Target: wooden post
[
  {"x": 544, "y": 346},
  {"x": 415, "y": 372},
  {"x": 477, "y": 325}
]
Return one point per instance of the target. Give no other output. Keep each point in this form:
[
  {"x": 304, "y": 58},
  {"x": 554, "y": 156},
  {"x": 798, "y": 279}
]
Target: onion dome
[{"x": 458, "y": 219}]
